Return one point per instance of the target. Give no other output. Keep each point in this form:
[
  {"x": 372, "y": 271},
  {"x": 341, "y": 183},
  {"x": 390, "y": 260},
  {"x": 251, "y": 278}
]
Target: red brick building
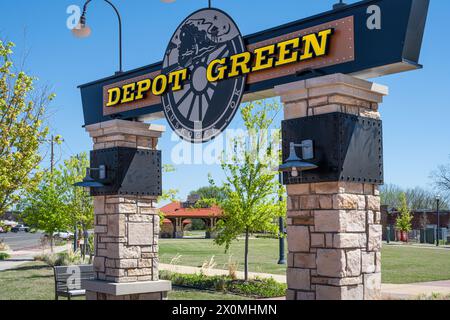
[{"x": 422, "y": 219}]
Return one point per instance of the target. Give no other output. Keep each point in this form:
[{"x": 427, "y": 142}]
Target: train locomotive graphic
[{"x": 202, "y": 109}]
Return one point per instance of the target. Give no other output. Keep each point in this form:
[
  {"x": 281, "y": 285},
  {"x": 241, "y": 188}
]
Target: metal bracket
[{"x": 307, "y": 150}]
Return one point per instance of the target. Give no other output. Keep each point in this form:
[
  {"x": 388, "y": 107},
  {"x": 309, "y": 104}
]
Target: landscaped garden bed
[{"x": 255, "y": 288}]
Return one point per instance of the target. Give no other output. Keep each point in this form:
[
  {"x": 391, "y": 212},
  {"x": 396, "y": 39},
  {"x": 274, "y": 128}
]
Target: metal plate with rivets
[
  {"x": 346, "y": 148},
  {"x": 130, "y": 171}
]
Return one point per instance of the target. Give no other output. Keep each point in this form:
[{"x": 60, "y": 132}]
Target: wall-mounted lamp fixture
[
  {"x": 89, "y": 182},
  {"x": 294, "y": 164}
]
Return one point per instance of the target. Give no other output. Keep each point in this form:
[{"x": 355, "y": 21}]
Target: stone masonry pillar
[
  {"x": 126, "y": 227},
  {"x": 334, "y": 230}
]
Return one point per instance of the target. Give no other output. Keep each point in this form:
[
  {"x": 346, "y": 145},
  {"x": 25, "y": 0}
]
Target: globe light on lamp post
[
  {"x": 82, "y": 30},
  {"x": 171, "y": 1},
  {"x": 339, "y": 5}
]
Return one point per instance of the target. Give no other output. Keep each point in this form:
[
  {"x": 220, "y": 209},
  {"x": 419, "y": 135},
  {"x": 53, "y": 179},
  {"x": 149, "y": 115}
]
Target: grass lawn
[
  {"x": 407, "y": 264},
  {"x": 401, "y": 264},
  {"x": 34, "y": 281},
  {"x": 263, "y": 254}
]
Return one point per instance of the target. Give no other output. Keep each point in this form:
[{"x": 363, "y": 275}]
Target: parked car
[
  {"x": 20, "y": 228},
  {"x": 64, "y": 235}
]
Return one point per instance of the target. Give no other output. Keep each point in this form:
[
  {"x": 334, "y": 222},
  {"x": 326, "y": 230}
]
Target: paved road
[{"x": 21, "y": 240}]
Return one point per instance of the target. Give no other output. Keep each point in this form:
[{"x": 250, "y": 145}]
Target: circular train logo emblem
[{"x": 201, "y": 110}]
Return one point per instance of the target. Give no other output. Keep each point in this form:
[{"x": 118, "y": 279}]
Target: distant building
[
  {"x": 424, "y": 224},
  {"x": 177, "y": 215}
]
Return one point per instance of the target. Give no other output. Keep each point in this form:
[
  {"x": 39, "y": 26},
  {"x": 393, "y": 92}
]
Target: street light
[
  {"x": 282, "y": 258},
  {"x": 339, "y": 5},
  {"x": 82, "y": 30},
  {"x": 171, "y": 1},
  {"x": 438, "y": 233}
]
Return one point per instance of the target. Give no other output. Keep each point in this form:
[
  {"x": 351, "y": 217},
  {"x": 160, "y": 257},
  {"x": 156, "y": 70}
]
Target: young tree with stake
[{"x": 251, "y": 189}]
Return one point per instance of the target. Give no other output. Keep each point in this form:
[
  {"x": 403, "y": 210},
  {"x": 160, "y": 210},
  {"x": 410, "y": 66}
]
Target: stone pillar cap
[
  {"x": 333, "y": 84},
  {"x": 125, "y": 127}
]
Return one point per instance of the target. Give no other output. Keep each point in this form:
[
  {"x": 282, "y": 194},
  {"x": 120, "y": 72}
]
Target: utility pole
[{"x": 52, "y": 141}]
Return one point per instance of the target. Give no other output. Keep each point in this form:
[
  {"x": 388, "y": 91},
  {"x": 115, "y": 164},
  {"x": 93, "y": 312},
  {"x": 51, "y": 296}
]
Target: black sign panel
[
  {"x": 202, "y": 109},
  {"x": 387, "y": 39}
]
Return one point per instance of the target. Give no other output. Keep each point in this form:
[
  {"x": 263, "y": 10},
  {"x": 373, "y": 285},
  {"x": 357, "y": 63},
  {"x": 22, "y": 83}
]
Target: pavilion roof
[{"x": 177, "y": 210}]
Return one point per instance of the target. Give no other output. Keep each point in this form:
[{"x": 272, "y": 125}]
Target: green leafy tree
[
  {"x": 45, "y": 207},
  {"x": 22, "y": 110},
  {"x": 169, "y": 194},
  {"x": 403, "y": 222},
  {"x": 210, "y": 192},
  {"x": 251, "y": 189},
  {"x": 80, "y": 203}
]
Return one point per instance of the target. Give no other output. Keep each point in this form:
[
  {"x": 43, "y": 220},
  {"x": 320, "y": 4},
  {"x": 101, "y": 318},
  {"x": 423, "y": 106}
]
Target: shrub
[
  {"x": 264, "y": 288},
  {"x": 232, "y": 268},
  {"x": 433, "y": 296},
  {"x": 198, "y": 224},
  {"x": 39, "y": 257},
  {"x": 266, "y": 236},
  {"x": 259, "y": 288},
  {"x": 4, "y": 256},
  {"x": 3, "y": 246},
  {"x": 208, "y": 265},
  {"x": 5, "y": 227},
  {"x": 403, "y": 222},
  {"x": 61, "y": 259}
]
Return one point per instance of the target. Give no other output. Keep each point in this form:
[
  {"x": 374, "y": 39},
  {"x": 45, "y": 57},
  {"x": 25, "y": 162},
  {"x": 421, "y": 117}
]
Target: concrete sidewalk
[
  {"x": 414, "y": 290},
  {"x": 416, "y": 245},
  {"x": 389, "y": 291},
  {"x": 219, "y": 272},
  {"x": 23, "y": 256}
]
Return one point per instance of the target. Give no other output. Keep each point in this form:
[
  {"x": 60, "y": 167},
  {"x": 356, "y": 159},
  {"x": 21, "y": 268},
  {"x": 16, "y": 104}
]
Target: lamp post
[
  {"x": 293, "y": 165},
  {"x": 339, "y": 5},
  {"x": 82, "y": 30},
  {"x": 170, "y": 1},
  {"x": 282, "y": 258},
  {"x": 438, "y": 198}
]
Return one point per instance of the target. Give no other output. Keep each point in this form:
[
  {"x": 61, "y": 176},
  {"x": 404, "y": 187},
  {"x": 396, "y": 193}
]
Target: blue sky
[{"x": 416, "y": 114}]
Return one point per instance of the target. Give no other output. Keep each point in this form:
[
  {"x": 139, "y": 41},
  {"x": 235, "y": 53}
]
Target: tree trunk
[
  {"x": 51, "y": 244},
  {"x": 246, "y": 256}
]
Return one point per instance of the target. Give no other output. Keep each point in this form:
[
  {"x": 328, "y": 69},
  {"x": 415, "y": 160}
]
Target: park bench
[{"x": 70, "y": 280}]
